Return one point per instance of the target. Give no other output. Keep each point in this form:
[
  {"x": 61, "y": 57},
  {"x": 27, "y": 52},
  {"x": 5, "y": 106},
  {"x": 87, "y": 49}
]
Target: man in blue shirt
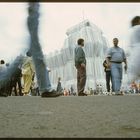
[{"x": 115, "y": 57}]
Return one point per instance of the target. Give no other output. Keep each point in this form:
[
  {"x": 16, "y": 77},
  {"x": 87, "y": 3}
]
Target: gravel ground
[{"x": 70, "y": 117}]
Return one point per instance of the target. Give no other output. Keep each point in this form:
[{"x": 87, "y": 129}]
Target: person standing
[
  {"x": 3, "y": 81},
  {"x": 80, "y": 64},
  {"x": 2, "y": 66},
  {"x": 71, "y": 90},
  {"x": 107, "y": 71},
  {"x": 115, "y": 57},
  {"x": 16, "y": 80},
  {"x": 27, "y": 73},
  {"x": 59, "y": 86}
]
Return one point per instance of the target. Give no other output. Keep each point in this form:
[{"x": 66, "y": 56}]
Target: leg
[
  {"x": 19, "y": 86},
  {"x": 10, "y": 87},
  {"x": 82, "y": 80},
  {"x": 78, "y": 80},
  {"x": 119, "y": 77},
  {"x": 115, "y": 73},
  {"x": 15, "y": 86},
  {"x": 37, "y": 54},
  {"x": 108, "y": 81},
  {"x": 111, "y": 82}
]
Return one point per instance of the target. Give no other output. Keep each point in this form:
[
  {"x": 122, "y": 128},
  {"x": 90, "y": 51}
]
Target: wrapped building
[{"x": 62, "y": 64}]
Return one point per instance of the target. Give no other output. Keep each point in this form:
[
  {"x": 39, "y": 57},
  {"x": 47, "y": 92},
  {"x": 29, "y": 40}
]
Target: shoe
[
  {"x": 25, "y": 94},
  {"x": 21, "y": 94},
  {"x": 119, "y": 93},
  {"x": 82, "y": 94},
  {"x": 108, "y": 93},
  {"x": 51, "y": 94}
]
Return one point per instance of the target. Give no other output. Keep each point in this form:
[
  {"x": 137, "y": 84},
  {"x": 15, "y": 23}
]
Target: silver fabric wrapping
[{"x": 62, "y": 62}]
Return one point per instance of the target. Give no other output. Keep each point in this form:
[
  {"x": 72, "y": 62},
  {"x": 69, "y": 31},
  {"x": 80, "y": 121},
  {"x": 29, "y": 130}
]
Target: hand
[
  {"x": 108, "y": 65},
  {"x": 83, "y": 65}
]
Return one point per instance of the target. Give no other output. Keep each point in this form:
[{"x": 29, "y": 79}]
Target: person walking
[
  {"x": 80, "y": 64},
  {"x": 134, "y": 45},
  {"x": 42, "y": 74},
  {"x": 115, "y": 57}
]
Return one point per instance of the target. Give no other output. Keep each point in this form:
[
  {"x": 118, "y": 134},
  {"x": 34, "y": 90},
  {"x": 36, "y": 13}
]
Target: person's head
[
  {"x": 80, "y": 42},
  {"x": 28, "y": 54},
  {"x": 135, "y": 21},
  {"x": 2, "y": 62},
  {"x": 115, "y": 42},
  {"x": 7, "y": 64}
]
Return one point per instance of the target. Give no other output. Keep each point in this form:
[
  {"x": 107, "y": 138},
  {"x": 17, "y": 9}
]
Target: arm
[
  {"x": 125, "y": 67},
  {"x": 108, "y": 58},
  {"x": 125, "y": 61}
]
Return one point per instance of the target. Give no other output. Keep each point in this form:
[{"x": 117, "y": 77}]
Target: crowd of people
[
  {"x": 23, "y": 80},
  {"x": 113, "y": 63},
  {"x": 17, "y": 77},
  {"x": 115, "y": 57},
  {"x": 32, "y": 75}
]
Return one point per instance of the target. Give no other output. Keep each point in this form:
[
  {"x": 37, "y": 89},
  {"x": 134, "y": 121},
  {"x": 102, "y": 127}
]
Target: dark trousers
[
  {"x": 19, "y": 86},
  {"x": 108, "y": 79},
  {"x": 81, "y": 79},
  {"x": 3, "y": 88},
  {"x": 13, "y": 84}
]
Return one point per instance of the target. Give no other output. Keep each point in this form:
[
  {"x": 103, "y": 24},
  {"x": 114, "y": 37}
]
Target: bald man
[{"x": 115, "y": 57}]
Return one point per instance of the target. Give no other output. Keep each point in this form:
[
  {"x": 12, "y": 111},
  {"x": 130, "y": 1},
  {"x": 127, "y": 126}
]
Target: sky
[{"x": 55, "y": 18}]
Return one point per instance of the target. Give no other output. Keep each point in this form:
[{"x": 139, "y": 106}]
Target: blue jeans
[
  {"x": 36, "y": 50},
  {"x": 116, "y": 73}
]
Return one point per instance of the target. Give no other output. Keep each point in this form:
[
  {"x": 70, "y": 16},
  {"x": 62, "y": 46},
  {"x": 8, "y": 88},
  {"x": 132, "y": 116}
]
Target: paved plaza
[{"x": 70, "y": 117}]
